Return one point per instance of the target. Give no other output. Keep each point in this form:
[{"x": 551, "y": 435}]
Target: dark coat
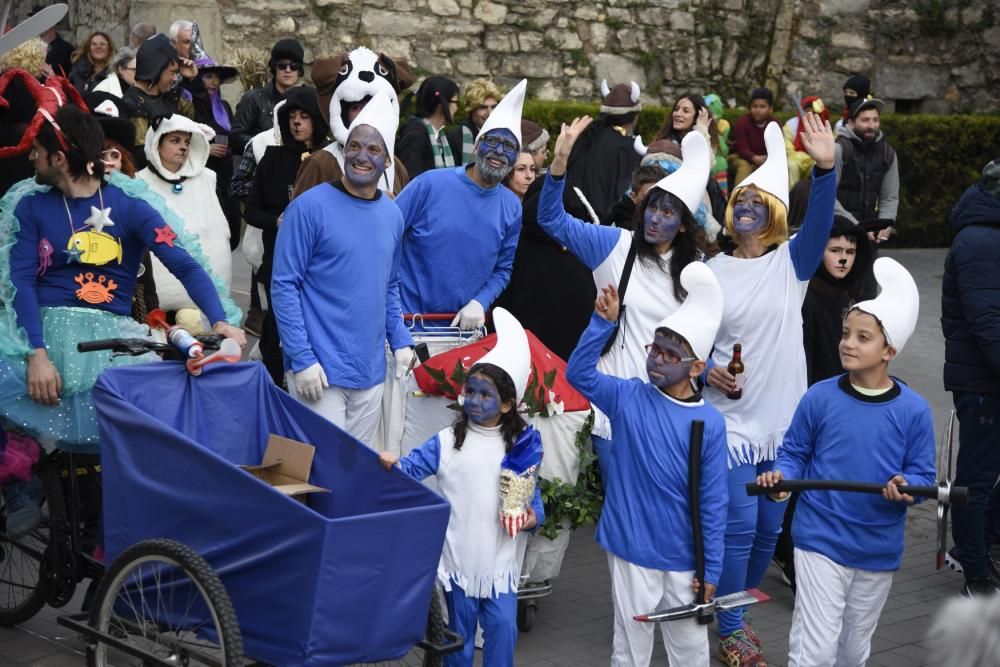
[
  {"x": 59, "y": 56},
  {"x": 550, "y": 292},
  {"x": 83, "y": 76},
  {"x": 970, "y": 295},
  {"x": 254, "y": 114},
  {"x": 601, "y": 165},
  {"x": 413, "y": 148}
]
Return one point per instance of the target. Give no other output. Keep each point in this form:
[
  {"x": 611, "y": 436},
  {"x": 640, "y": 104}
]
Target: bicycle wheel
[
  {"x": 23, "y": 590},
  {"x": 162, "y": 598}
]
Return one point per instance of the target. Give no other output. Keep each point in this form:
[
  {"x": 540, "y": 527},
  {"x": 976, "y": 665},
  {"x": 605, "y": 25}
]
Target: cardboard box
[{"x": 286, "y": 467}]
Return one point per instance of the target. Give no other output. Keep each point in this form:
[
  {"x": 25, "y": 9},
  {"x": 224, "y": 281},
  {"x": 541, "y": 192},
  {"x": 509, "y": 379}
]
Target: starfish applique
[
  {"x": 99, "y": 218},
  {"x": 165, "y": 235},
  {"x": 73, "y": 255}
]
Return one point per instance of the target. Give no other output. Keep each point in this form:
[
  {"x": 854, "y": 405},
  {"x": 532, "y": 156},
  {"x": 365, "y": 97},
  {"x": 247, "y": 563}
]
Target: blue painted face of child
[
  {"x": 496, "y": 153},
  {"x": 662, "y": 219},
  {"x": 481, "y": 400},
  {"x": 665, "y": 362},
  {"x": 364, "y": 156},
  {"x": 749, "y": 212}
]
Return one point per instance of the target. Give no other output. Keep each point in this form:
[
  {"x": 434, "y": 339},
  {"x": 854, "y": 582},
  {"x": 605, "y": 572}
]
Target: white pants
[
  {"x": 357, "y": 411},
  {"x": 836, "y": 611},
  {"x": 638, "y": 590}
]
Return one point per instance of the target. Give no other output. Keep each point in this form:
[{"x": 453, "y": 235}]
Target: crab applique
[{"x": 95, "y": 291}]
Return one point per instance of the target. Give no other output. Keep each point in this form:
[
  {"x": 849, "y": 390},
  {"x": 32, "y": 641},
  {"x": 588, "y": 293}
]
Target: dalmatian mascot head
[{"x": 345, "y": 84}]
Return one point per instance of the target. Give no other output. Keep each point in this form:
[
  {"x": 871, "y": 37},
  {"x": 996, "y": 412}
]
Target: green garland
[{"x": 578, "y": 504}]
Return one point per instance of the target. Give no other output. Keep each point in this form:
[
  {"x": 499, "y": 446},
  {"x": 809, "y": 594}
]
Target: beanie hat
[
  {"x": 991, "y": 177},
  {"x": 153, "y": 56},
  {"x": 860, "y": 84},
  {"x": 762, "y": 94},
  {"x": 286, "y": 48},
  {"x": 533, "y": 136},
  {"x": 620, "y": 100}
]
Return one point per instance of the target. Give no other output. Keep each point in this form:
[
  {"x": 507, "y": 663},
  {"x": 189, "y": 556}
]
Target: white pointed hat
[
  {"x": 698, "y": 318},
  {"x": 689, "y": 181},
  {"x": 772, "y": 176},
  {"x": 897, "y": 305},
  {"x": 511, "y": 352},
  {"x": 507, "y": 115},
  {"x": 381, "y": 114}
]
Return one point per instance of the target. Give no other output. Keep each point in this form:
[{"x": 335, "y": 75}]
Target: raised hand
[
  {"x": 607, "y": 305},
  {"x": 817, "y": 139},
  {"x": 564, "y": 144}
]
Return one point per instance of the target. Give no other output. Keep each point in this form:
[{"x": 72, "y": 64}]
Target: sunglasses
[
  {"x": 111, "y": 155},
  {"x": 493, "y": 141},
  {"x": 666, "y": 356},
  {"x": 288, "y": 65}
]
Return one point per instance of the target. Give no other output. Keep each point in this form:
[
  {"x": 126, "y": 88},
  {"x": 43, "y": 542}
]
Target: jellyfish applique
[{"x": 45, "y": 252}]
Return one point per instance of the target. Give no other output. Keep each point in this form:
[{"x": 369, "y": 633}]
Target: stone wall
[{"x": 923, "y": 55}]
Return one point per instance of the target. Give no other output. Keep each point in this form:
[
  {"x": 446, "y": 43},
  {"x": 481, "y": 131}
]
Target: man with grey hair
[
  {"x": 140, "y": 33},
  {"x": 180, "y": 37}
]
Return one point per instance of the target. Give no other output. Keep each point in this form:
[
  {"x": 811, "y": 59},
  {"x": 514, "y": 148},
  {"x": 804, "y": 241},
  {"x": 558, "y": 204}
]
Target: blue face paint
[
  {"x": 661, "y": 220},
  {"x": 481, "y": 400},
  {"x": 496, "y": 153},
  {"x": 667, "y": 363},
  {"x": 749, "y": 212},
  {"x": 364, "y": 156}
]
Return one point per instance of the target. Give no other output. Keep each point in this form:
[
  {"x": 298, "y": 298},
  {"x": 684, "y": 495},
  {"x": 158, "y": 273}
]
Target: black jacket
[
  {"x": 865, "y": 165},
  {"x": 413, "y": 148},
  {"x": 59, "y": 56},
  {"x": 970, "y": 295},
  {"x": 254, "y": 114},
  {"x": 83, "y": 76},
  {"x": 601, "y": 165},
  {"x": 550, "y": 291}
]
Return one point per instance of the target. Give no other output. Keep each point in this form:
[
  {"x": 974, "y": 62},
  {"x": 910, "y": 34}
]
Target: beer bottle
[{"x": 735, "y": 369}]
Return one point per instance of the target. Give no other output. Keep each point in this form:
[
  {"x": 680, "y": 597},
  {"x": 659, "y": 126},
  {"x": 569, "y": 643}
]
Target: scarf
[
  {"x": 219, "y": 113},
  {"x": 439, "y": 146},
  {"x": 468, "y": 143}
]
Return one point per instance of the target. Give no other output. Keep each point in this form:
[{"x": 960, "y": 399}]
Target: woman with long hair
[
  {"x": 666, "y": 238},
  {"x": 422, "y": 144},
  {"x": 764, "y": 279},
  {"x": 121, "y": 73},
  {"x": 91, "y": 60}
]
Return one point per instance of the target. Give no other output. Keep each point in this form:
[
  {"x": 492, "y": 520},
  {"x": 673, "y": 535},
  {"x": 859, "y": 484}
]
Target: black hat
[
  {"x": 108, "y": 110},
  {"x": 762, "y": 94},
  {"x": 860, "y": 84},
  {"x": 286, "y": 48},
  {"x": 863, "y": 104},
  {"x": 153, "y": 56}
]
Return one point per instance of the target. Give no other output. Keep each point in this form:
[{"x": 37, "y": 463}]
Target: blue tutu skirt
[{"x": 70, "y": 425}]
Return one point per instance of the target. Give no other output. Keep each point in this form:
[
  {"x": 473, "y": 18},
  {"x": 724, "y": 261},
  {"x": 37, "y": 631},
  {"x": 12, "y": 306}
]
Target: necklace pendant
[{"x": 177, "y": 188}]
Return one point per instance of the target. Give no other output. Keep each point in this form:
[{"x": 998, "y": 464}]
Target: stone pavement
[{"x": 573, "y": 626}]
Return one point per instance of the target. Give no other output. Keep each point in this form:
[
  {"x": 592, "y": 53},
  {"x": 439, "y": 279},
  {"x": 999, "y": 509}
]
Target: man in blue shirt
[
  {"x": 462, "y": 226},
  {"x": 335, "y": 282}
]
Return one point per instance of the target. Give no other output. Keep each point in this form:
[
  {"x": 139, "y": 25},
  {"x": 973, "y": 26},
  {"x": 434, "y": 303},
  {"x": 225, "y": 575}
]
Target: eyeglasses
[
  {"x": 666, "y": 356},
  {"x": 287, "y": 65},
  {"x": 111, "y": 155},
  {"x": 454, "y": 101},
  {"x": 491, "y": 107},
  {"x": 493, "y": 141}
]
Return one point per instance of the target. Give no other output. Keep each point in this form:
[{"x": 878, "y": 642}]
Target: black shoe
[
  {"x": 787, "y": 569},
  {"x": 979, "y": 587}
]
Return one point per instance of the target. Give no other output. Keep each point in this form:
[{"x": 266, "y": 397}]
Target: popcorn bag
[{"x": 518, "y": 480}]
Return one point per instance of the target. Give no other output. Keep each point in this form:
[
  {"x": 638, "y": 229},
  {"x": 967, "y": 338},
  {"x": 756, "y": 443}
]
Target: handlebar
[{"x": 135, "y": 347}]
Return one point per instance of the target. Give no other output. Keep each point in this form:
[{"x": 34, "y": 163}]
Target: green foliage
[
  {"x": 536, "y": 394},
  {"x": 576, "y": 504},
  {"x": 932, "y": 17},
  {"x": 939, "y": 157}
]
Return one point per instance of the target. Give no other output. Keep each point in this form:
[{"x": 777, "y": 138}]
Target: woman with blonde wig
[{"x": 764, "y": 281}]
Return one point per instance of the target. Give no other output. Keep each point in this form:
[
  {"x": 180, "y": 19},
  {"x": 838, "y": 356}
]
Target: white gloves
[
  {"x": 472, "y": 316},
  {"x": 309, "y": 382},
  {"x": 404, "y": 356}
]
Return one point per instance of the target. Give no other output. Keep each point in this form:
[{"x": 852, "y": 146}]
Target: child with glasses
[{"x": 645, "y": 525}]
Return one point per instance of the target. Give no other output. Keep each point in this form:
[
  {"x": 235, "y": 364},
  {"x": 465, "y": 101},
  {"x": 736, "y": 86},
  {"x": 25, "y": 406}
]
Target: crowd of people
[{"x": 129, "y": 180}]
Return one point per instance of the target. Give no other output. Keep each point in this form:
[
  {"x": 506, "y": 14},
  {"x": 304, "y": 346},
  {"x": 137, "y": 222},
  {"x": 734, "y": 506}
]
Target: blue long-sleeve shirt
[
  {"x": 838, "y": 433},
  {"x": 460, "y": 241},
  {"x": 335, "y": 285},
  {"x": 647, "y": 514},
  {"x": 98, "y": 269},
  {"x": 591, "y": 244}
]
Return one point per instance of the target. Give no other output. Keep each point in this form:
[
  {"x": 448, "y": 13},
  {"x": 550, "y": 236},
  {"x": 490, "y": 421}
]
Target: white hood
[
  {"x": 271, "y": 137},
  {"x": 198, "y": 153}
]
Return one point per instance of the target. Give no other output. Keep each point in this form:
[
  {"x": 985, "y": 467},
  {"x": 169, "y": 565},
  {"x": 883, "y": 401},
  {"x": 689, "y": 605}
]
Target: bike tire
[
  {"x": 435, "y": 630},
  {"x": 180, "y": 568},
  {"x": 23, "y": 588}
]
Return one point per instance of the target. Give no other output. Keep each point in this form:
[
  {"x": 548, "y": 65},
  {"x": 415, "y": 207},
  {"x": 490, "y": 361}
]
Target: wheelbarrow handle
[
  {"x": 957, "y": 495},
  {"x": 430, "y": 317}
]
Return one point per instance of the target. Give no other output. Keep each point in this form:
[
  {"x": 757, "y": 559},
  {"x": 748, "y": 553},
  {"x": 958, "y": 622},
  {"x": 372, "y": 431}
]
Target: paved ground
[{"x": 573, "y": 626}]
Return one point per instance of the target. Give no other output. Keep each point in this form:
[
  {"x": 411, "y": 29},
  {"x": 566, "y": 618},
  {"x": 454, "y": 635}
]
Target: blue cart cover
[{"x": 347, "y": 578}]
